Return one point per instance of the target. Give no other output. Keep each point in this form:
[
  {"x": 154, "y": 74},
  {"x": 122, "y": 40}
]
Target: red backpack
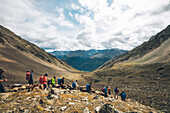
[
  {"x": 27, "y": 75},
  {"x": 103, "y": 89},
  {"x": 41, "y": 79}
]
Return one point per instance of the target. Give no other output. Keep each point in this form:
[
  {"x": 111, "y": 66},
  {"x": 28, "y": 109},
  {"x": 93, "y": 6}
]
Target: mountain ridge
[
  {"x": 87, "y": 60},
  {"x": 18, "y": 56}
]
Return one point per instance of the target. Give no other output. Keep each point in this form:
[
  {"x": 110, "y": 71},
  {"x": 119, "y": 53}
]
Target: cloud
[{"x": 85, "y": 24}]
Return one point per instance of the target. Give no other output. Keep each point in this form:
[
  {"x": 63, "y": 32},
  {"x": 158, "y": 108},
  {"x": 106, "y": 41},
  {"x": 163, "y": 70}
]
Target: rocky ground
[{"x": 17, "y": 99}]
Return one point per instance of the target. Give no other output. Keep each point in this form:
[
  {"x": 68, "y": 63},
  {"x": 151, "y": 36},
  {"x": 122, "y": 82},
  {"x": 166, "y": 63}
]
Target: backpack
[
  {"x": 116, "y": 90},
  {"x": 103, "y": 89},
  {"x": 41, "y": 79},
  {"x": 27, "y": 75}
]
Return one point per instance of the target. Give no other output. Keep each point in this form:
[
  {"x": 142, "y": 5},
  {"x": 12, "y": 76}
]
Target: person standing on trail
[
  {"x": 116, "y": 92},
  {"x": 109, "y": 90},
  {"x": 28, "y": 76},
  {"x": 1, "y": 77},
  {"x": 105, "y": 91},
  {"x": 45, "y": 80},
  {"x": 123, "y": 96},
  {"x": 41, "y": 82},
  {"x": 53, "y": 81},
  {"x": 30, "y": 81}
]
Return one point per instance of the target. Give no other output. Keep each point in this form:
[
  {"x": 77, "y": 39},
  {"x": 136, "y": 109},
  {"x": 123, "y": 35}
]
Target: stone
[
  {"x": 107, "y": 108},
  {"x": 16, "y": 85},
  {"x": 97, "y": 109},
  {"x": 85, "y": 99},
  {"x": 96, "y": 97},
  {"x": 63, "y": 108},
  {"x": 86, "y": 110},
  {"x": 71, "y": 103}
]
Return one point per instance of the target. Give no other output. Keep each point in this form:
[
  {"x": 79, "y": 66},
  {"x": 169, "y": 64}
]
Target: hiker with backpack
[
  {"x": 45, "y": 80},
  {"x": 109, "y": 90},
  {"x": 41, "y": 82},
  {"x": 53, "y": 81},
  {"x": 28, "y": 76},
  {"x": 2, "y": 90},
  {"x": 104, "y": 91},
  {"x": 61, "y": 83},
  {"x": 30, "y": 80},
  {"x": 116, "y": 92},
  {"x": 88, "y": 87},
  {"x": 123, "y": 96}
]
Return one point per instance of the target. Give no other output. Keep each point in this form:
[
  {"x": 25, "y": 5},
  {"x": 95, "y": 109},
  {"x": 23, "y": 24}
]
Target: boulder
[{"x": 107, "y": 108}]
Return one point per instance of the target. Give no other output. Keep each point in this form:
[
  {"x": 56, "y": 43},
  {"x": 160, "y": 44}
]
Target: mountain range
[{"x": 87, "y": 60}]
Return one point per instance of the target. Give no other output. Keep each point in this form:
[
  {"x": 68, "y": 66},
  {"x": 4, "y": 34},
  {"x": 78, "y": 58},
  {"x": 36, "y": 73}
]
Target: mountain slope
[
  {"x": 144, "y": 72},
  {"x": 144, "y": 49},
  {"x": 18, "y": 56}
]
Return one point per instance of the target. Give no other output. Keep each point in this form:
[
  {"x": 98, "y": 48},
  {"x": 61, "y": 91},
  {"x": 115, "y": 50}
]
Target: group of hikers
[{"x": 44, "y": 83}]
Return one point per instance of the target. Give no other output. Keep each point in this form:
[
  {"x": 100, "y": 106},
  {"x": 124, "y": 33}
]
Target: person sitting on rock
[
  {"x": 1, "y": 80},
  {"x": 123, "y": 96},
  {"x": 61, "y": 83},
  {"x": 45, "y": 80},
  {"x": 88, "y": 87},
  {"x": 53, "y": 81}
]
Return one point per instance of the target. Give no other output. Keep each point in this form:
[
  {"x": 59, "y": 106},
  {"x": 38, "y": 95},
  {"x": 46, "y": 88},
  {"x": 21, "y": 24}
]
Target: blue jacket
[
  {"x": 88, "y": 87},
  {"x": 123, "y": 95},
  {"x": 74, "y": 84},
  {"x": 59, "y": 81},
  {"x": 105, "y": 90}
]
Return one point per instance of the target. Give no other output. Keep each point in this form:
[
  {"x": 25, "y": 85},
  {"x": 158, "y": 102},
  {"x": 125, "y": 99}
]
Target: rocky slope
[
  {"x": 63, "y": 100},
  {"x": 143, "y": 72},
  {"x": 18, "y": 55}
]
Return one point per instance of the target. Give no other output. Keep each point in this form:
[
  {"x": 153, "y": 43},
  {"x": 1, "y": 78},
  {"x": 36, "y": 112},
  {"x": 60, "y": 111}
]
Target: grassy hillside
[
  {"x": 144, "y": 72},
  {"x": 18, "y": 55}
]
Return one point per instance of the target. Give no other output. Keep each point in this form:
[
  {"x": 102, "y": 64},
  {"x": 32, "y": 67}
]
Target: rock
[
  {"x": 86, "y": 110},
  {"x": 16, "y": 85},
  {"x": 71, "y": 103},
  {"x": 4, "y": 95},
  {"x": 107, "y": 108},
  {"x": 63, "y": 108},
  {"x": 96, "y": 97},
  {"x": 85, "y": 99},
  {"x": 97, "y": 109},
  {"x": 49, "y": 97}
]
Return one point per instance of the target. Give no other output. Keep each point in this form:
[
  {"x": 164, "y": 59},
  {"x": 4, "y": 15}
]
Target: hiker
[
  {"x": 31, "y": 82},
  {"x": 109, "y": 90},
  {"x": 41, "y": 82},
  {"x": 123, "y": 96},
  {"x": 77, "y": 86},
  {"x": 45, "y": 80},
  {"x": 88, "y": 87},
  {"x": 2, "y": 90},
  {"x": 104, "y": 91},
  {"x": 116, "y": 92},
  {"x": 53, "y": 81},
  {"x": 61, "y": 82},
  {"x": 28, "y": 76}
]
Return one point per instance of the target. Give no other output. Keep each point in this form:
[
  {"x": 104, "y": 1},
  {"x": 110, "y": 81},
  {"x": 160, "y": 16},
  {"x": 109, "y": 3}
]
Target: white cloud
[
  {"x": 75, "y": 7},
  {"x": 89, "y": 24}
]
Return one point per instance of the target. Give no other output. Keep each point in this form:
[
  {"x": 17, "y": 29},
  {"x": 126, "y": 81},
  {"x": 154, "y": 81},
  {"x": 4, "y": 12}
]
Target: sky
[{"x": 66, "y": 25}]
